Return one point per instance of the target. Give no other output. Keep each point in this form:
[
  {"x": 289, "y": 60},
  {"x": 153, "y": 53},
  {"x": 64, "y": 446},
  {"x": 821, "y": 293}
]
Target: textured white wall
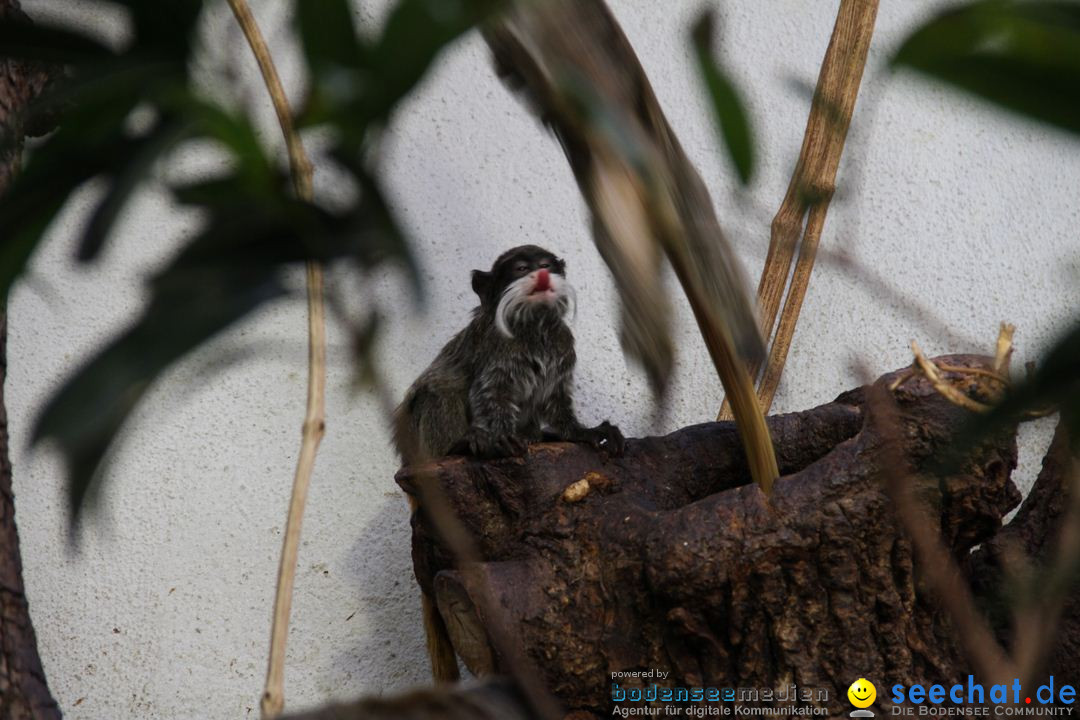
[{"x": 163, "y": 609}]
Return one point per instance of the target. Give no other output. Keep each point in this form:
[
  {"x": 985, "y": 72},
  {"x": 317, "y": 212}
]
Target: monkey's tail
[{"x": 444, "y": 667}]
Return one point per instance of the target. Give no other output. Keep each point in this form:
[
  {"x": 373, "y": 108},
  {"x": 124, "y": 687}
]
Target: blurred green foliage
[
  {"x": 1024, "y": 56},
  {"x": 125, "y": 110}
]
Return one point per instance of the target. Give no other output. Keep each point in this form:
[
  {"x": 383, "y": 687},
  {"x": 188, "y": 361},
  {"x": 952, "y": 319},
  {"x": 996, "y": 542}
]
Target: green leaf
[
  {"x": 245, "y": 231},
  {"x": 375, "y": 229},
  {"x": 54, "y": 171},
  {"x": 99, "y": 96},
  {"x": 219, "y": 193},
  {"x": 414, "y": 34},
  {"x": 124, "y": 180},
  {"x": 364, "y": 342},
  {"x": 1024, "y": 56},
  {"x": 188, "y": 307},
  {"x": 28, "y": 41},
  {"x": 20, "y": 243},
  {"x": 237, "y": 135},
  {"x": 727, "y": 103},
  {"x": 270, "y": 227},
  {"x": 336, "y": 58},
  {"x": 164, "y": 29},
  {"x": 328, "y": 35}
]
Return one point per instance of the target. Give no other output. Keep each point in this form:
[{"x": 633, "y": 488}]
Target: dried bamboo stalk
[
  {"x": 273, "y": 698},
  {"x": 811, "y": 188}
]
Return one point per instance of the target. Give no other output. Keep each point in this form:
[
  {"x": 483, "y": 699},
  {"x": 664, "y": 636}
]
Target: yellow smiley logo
[{"x": 862, "y": 693}]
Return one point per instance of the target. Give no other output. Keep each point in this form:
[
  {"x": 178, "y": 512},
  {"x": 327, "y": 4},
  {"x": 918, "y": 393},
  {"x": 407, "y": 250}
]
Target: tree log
[
  {"x": 669, "y": 559},
  {"x": 24, "y": 694}
]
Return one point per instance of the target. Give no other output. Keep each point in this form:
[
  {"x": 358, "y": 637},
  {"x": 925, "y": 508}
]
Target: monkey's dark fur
[
  {"x": 499, "y": 384},
  {"x": 491, "y": 394}
]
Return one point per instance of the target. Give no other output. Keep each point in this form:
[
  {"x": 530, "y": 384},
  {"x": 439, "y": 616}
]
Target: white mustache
[{"x": 515, "y": 300}]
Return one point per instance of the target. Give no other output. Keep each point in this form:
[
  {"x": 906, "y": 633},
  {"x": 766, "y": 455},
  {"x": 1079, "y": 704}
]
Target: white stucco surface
[{"x": 968, "y": 217}]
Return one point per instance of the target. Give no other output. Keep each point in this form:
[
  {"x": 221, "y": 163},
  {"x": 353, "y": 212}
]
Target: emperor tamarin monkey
[
  {"x": 506, "y": 379},
  {"x": 499, "y": 384}
]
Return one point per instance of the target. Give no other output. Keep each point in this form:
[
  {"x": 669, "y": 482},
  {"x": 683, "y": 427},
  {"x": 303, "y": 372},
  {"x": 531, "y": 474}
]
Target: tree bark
[
  {"x": 668, "y": 559},
  {"x": 24, "y": 694},
  {"x": 1034, "y": 532}
]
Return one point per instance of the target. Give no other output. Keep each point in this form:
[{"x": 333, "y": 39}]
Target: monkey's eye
[
  {"x": 521, "y": 268},
  {"x": 545, "y": 264}
]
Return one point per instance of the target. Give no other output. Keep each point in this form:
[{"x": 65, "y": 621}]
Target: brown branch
[
  {"x": 273, "y": 698},
  {"x": 990, "y": 375},
  {"x": 737, "y": 382},
  {"x": 1004, "y": 349},
  {"x": 811, "y": 187},
  {"x": 944, "y": 388},
  {"x": 998, "y": 376},
  {"x": 587, "y": 83},
  {"x": 299, "y": 164}
]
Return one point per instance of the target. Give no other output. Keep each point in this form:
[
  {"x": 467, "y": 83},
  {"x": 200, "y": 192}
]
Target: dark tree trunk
[
  {"x": 669, "y": 559},
  {"x": 24, "y": 693}
]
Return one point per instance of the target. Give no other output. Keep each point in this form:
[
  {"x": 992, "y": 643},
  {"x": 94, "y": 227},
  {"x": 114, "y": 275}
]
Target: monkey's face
[{"x": 525, "y": 283}]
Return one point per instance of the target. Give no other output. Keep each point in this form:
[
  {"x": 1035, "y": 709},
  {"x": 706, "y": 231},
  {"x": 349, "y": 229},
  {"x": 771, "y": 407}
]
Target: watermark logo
[
  {"x": 862, "y": 695},
  {"x": 634, "y": 693},
  {"x": 974, "y": 698}
]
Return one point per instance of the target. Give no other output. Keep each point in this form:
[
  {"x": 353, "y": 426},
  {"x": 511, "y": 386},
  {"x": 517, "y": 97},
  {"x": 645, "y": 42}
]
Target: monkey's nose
[{"x": 543, "y": 280}]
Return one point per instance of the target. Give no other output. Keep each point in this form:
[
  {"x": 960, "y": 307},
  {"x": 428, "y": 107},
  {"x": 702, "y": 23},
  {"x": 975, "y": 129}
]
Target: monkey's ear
[
  {"x": 481, "y": 285},
  {"x": 560, "y": 266}
]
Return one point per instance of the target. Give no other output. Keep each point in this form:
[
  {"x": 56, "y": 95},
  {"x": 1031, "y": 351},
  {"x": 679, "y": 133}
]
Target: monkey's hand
[
  {"x": 488, "y": 444},
  {"x": 605, "y": 437}
]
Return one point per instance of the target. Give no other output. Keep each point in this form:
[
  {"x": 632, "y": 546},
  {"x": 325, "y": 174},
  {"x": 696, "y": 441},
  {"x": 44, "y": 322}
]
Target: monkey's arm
[{"x": 560, "y": 416}]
